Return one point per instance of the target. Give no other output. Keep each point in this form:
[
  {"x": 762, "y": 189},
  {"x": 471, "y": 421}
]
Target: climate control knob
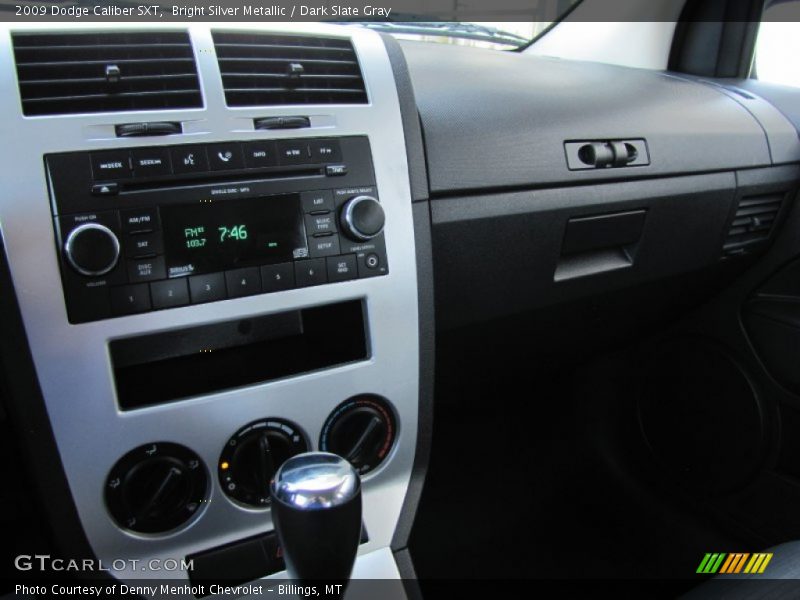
[
  {"x": 156, "y": 488},
  {"x": 362, "y": 430},
  {"x": 362, "y": 218},
  {"x": 253, "y": 455},
  {"x": 92, "y": 249}
]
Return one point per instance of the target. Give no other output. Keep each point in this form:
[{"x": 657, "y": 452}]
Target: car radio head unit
[
  {"x": 155, "y": 228},
  {"x": 203, "y": 238}
]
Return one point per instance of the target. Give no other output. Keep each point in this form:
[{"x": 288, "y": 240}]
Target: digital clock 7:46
[{"x": 236, "y": 232}]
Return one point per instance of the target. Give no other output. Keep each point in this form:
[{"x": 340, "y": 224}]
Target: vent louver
[
  {"x": 70, "y": 73},
  {"x": 266, "y": 70},
  {"x": 753, "y": 222}
]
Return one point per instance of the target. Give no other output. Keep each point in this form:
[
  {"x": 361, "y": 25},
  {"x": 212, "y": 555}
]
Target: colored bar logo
[{"x": 734, "y": 563}]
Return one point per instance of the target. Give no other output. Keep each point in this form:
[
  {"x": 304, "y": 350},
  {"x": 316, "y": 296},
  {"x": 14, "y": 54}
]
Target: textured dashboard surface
[{"x": 496, "y": 119}]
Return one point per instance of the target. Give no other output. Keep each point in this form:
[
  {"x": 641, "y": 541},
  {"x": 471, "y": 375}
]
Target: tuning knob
[
  {"x": 92, "y": 249},
  {"x": 362, "y": 218}
]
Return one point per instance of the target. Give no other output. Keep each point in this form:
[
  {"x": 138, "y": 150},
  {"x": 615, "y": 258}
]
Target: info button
[{"x": 260, "y": 154}]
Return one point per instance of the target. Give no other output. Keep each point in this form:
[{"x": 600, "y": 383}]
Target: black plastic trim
[
  {"x": 415, "y": 149},
  {"x": 425, "y": 304},
  {"x": 716, "y": 38}
]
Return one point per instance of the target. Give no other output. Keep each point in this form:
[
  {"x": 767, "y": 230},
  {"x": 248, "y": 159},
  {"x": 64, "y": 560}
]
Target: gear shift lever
[{"x": 316, "y": 506}]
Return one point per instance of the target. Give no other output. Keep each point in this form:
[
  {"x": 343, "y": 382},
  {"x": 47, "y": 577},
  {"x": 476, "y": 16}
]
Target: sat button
[{"x": 143, "y": 244}]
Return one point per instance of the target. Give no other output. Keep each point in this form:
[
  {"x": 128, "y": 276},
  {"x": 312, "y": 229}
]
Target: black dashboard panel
[{"x": 486, "y": 126}]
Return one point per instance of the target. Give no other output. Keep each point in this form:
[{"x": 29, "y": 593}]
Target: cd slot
[
  {"x": 172, "y": 365},
  {"x": 243, "y": 177}
]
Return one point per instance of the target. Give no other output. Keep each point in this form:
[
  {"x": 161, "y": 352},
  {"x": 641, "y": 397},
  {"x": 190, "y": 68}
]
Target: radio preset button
[
  {"x": 207, "y": 288},
  {"x": 260, "y": 154},
  {"x": 293, "y": 152},
  {"x": 140, "y": 220},
  {"x": 114, "y": 164},
  {"x": 310, "y": 272},
  {"x": 129, "y": 299},
  {"x": 320, "y": 201},
  {"x": 243, "y": 282},
  {"x": 146, "y": 270},
  {"x": 342, "y": 268},
  {"x": 226, "y": 156},
  {"x": 189, "y": 159},
  {"x": 323, "y": 246},
  {"x": 276, "y": 278},
  {"x": 169, "y": 293},
  {"x": 325, "y": 223},
  {"x": 150, "y": 162},
  {"x": 143, "y": 244}
]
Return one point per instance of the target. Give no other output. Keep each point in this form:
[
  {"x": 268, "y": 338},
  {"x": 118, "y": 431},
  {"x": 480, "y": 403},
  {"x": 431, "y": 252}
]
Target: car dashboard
[
  {"x": 242, "y": 252},
  {"x": 190, "y": 296}
]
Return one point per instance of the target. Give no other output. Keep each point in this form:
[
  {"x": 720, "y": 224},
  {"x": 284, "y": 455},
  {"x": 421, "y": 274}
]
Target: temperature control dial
[
  {"x": 156, "y": 487},
  {"x": 92, "y": 249},
  {"x": 253, "y": 454},
  {"x": 362, "y": 430},
  {"x": 362, "y": 218}
]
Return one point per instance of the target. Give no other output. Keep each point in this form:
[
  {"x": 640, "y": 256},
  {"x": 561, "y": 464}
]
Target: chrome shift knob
[{"x": 316, "y": 507}]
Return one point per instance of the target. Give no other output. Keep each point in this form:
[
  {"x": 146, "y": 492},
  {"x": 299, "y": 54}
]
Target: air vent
[
  {"x": 265, "y": 70},
  {"x": 105, "y": 72},
  {"x": 753, "y": 222}
]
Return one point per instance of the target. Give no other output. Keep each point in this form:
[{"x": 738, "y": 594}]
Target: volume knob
[
  {"x": 92, "y": 249},
  {"x": 362, "y": 218}
]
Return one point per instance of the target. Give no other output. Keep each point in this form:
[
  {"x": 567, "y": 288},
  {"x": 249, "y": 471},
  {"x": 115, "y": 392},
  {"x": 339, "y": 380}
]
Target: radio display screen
[{"x": 228, "y": 234}]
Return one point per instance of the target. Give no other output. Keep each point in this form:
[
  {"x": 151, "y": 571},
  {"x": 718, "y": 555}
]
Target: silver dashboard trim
[{"x": 72, "y": 361}]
